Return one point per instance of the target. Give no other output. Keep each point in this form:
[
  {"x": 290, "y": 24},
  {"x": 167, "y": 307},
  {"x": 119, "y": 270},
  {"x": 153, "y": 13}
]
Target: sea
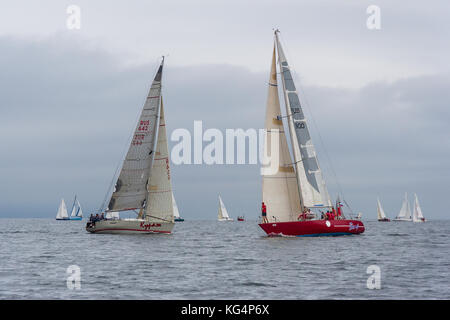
[{"x": 49, "y": 259}]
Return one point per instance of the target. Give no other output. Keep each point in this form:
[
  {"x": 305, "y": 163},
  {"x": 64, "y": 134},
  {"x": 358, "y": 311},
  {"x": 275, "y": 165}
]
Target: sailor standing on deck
[{"x": 264, "y": 213}]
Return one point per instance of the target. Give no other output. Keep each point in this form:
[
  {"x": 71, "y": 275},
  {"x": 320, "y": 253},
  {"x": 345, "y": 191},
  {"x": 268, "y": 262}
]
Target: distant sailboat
[
  {"x": 176, "y": 213},
  {"x": 144, "y": 183},
  {"x": 62, "y": 211},
  {"x": 380, "y": 212},
  {"x": 405, "y": 211},
  {"x": 297, "y": 187},
  {"x": 77, "y": 213},
  {"x": 417, "y": 212},
  {"x": 223, "y": 213}
]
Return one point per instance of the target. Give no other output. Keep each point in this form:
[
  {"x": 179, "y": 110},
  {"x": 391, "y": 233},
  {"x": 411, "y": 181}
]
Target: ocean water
[{"x": 222, "y": 260}]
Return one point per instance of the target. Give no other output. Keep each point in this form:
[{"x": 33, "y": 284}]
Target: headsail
[
  {"x": 159, "y": 207},
  {"x": 223, "y": 213},
  {"x": 417, "y": 212},
  {"x": 131, "y": 187},
  {"x": 405, "y": 211},
  {"x": 176, "y": 213},
  {"x": 380, "y": 211},
  {"x": 76, "y": 209},
  {"x": 62, "y": 211},
  {"x": 280, "y": 191},
  {"x": 313, "y": 191}
]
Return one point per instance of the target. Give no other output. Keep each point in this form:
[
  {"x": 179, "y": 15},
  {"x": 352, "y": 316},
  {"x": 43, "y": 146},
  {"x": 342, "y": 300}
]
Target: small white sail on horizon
[
  {"x": 417, "y": 212},
  {"x": 176, "y": 212},
  {"x": 380, "y": 211},
  {"x": 62, "y": 211},
  {"x": 76, "y": 209},
  {"x": 223, "y": 213},
  {"x": 405, "y": 211}
]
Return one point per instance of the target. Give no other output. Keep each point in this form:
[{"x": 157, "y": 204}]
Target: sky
[{"x": 377, "y": 100}]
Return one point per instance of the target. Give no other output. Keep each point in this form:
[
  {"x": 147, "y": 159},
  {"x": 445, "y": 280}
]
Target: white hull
[
  {"x": 129, "y": 226},
  {"x": 226, "y": 219},
  {"x": 402, "y": 219}
]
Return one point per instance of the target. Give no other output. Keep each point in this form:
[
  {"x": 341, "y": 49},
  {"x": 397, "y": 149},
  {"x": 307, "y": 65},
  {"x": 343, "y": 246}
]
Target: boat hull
[
  {"x": 129, "y": 226},
  {"x": 384, "y": 220},
  {"x": 403, "y": 220},
  {"x": 76, "y": 218},
  {"x": 313, "y": 228},
  {"x": 178, "y": 219},
  {"x": 223, "y": 219}
]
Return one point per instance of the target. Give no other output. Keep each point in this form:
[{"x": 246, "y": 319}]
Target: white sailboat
[
  {"x": 144, "y": 181},
  {"x": 380, "y": 212},
  {"x": 62, "y": 211},
  {"x": 176, "y": 213},
  {"x": 223, "y": 213},
  {"x": 405, "y": 211},
  {"x": 417, "y": 212},
  {"x": 76, "y": 213},
  {"x": 297, "y": 187}
]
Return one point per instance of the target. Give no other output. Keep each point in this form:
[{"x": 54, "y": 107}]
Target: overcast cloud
[{"x": 69, "y": 99}]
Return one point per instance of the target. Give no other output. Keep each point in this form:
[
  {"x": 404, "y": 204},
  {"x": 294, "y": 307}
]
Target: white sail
[
  {"x": 176, "y": 213},
  {"x": 76, "y": 209},
  {"x": 405, "y": 211},
  {"x": 223, "y": 213},
  {"x": 131, "y": 187},
  {"x": 280, "y": 192},
  {"x": 380, "y": 211},
  {"x": 160, "y": 207},
  {"x": 112, "y": 215},
  {"x": 417, "y": 212},
  {"x": 312, "y": 188},
  {"x": 62, "y": 211}
]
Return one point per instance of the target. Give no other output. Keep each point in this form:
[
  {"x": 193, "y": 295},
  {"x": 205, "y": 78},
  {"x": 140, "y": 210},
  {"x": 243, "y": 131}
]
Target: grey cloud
[{"x": 66, "y": 114}]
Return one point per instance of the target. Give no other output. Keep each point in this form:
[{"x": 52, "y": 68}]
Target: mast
[
  {"x": 131, "y": 187},
  {"x": 311, "y": 185}
]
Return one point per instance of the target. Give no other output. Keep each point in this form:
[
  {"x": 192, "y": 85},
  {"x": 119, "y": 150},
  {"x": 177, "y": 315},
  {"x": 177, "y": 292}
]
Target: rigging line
[{"x": 306, "y": 104}]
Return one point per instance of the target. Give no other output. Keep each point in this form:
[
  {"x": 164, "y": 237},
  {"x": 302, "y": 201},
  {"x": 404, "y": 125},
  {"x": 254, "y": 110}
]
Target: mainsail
[
  {"x": 280, "y": 191},
  {"x": 131, "y": 187},
  {"x": 380, "y": 211},
  {"x": 62, "y": 211},
  {"x": 312, "y": 188},
  {"x": 417, "y": 212},
  {"x": 405, "y": 211},
  {"x": 223, "y": 213},
  {"x": 160, "y": 207},
  {"x": 176, "y": 213}
]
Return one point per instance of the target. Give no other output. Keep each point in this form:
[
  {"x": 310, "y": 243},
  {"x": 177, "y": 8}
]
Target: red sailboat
[{"x": 294, "y": 192}]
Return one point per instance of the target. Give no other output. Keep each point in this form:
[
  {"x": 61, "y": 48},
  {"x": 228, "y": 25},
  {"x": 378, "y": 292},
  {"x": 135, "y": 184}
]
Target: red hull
[{"x": 313, "y": 228}]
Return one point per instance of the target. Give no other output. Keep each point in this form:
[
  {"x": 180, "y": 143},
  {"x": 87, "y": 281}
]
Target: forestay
[
  {"x": 313, "y": 192},
  {"x": 131, "y": 187}
]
